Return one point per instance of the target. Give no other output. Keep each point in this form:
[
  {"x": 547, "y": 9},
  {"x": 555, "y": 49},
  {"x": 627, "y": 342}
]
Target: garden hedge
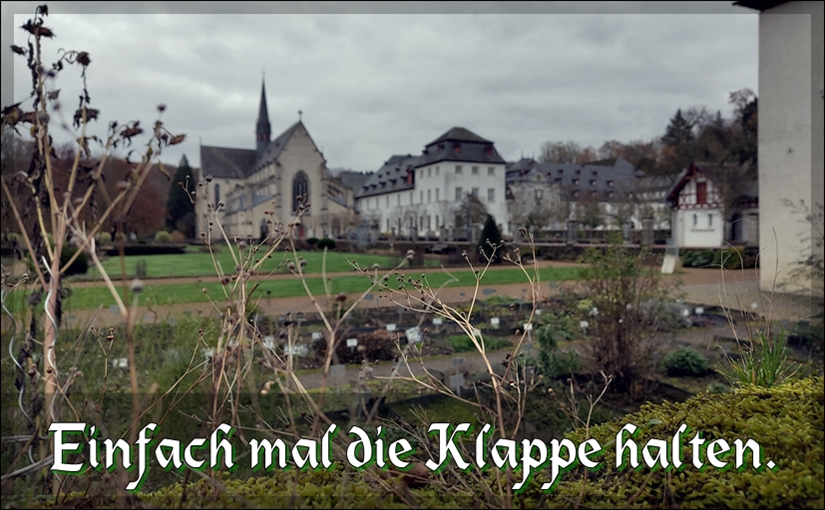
[{"x": 787, "y": 422}]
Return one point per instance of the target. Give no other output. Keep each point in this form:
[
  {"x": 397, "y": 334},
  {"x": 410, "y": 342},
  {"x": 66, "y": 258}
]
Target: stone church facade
[{"x": 274, "y": 177}]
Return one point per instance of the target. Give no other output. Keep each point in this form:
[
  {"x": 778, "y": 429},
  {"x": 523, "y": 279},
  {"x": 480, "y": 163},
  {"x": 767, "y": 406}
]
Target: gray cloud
[{"x": 372, "y": 85}]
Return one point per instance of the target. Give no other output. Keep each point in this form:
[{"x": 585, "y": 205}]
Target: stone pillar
[
  {"x": 626, "y": 231},
  {"x": 572, "y": 232},
  {"x": 647, "y": 231}
]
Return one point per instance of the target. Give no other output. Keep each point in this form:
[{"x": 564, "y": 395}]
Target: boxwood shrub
[
  {"x": 786, "y": 421},
  {"x": 685, "y": 361}
]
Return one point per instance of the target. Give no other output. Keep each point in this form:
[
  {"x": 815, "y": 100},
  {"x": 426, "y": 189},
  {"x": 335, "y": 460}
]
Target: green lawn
[
  {"x": 166, "y": 294},
  {"x": 195, "y": 263}
]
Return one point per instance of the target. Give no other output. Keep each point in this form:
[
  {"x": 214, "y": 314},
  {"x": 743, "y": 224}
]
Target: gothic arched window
[{"x": 300, "y": 187}]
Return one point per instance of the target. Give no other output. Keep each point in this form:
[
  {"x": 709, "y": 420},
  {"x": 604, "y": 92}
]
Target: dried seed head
[{"x": 136, "y": 286}]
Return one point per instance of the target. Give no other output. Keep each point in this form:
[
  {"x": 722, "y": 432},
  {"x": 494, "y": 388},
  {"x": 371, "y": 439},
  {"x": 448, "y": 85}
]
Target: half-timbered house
[{"x": 713, "y": 205}]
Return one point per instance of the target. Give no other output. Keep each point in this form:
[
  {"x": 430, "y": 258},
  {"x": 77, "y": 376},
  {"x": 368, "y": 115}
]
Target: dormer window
[
  {"x": 576, "y": 182},
  {"x": 457, "y": 148},
  {"x": 578, "y": 172},
  {"x": 610, "y": 183},
  {"x": 561, "y": 170},
  {"x": 592, "y": 182},
  {"x": 488, "y": 150}
]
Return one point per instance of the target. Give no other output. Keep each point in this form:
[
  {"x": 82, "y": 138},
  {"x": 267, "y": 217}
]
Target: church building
[{"x": 273, "y": 177}]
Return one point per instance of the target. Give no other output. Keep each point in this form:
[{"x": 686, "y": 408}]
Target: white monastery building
[{"x": 419, "y": 195}]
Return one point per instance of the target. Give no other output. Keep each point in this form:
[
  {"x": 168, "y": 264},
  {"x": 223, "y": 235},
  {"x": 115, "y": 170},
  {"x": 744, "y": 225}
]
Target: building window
[
  {"x": 475, "y": 192},
  {"x": 491, "y": 194},
  {"x": 411, "y": 197},
  {"x": 475, "y": 170},
  {"x": 436, "y": 194},
  {"x": 429, "y": 172},
  {"x": 710, "y": 220},
  {"x": 701, "y": 193},
  {"x": 421, "y": 197},
  {"x": 538, "y": 194},
  {"x": 388, "y": 200},
  {"x": 610, "y": 183},
  {"x": 429, "y": 195},
  {"x": 398, "y": 199},
  {"x": 300, "y": 187},
  {"x": 458, "y": 169},
  {"x": 436, "y": 170},
  {"x": 437, "y": 225},
  {"x": 458, "y": 194},
  {"x": 491, "y": 170},
  {"x": 695, "y": 220}
]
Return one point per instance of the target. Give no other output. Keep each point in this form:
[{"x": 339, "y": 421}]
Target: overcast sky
[{"x": 376, "y": 80}]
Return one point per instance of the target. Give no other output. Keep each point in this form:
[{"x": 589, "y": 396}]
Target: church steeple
[{"x": 263, "y": 130}]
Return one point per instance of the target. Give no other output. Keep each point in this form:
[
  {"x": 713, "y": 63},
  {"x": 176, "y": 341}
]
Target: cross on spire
[{"x": 299, "y": 115}]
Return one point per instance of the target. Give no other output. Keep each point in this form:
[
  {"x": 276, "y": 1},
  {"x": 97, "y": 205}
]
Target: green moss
[
  {"x": 787, "y": 422},
  {"x": 291, "y": 489}
]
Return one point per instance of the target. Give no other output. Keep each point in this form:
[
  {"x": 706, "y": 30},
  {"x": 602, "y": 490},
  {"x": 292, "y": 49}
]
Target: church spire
[{"x": 263, "y": 129}]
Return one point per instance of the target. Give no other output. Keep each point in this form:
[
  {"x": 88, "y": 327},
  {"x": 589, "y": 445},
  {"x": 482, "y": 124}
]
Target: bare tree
[
  {"x": 560, "y": 152},
  {"x": 590, "y": 212}
]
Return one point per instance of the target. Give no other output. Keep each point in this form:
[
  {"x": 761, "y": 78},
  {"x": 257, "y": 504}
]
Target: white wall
[
  {"x": 706, "y": 232},
  {"x": 434, "y": 198},
  {"x": 790, "y": 118},
  {"x": 442, "y": 176}
]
